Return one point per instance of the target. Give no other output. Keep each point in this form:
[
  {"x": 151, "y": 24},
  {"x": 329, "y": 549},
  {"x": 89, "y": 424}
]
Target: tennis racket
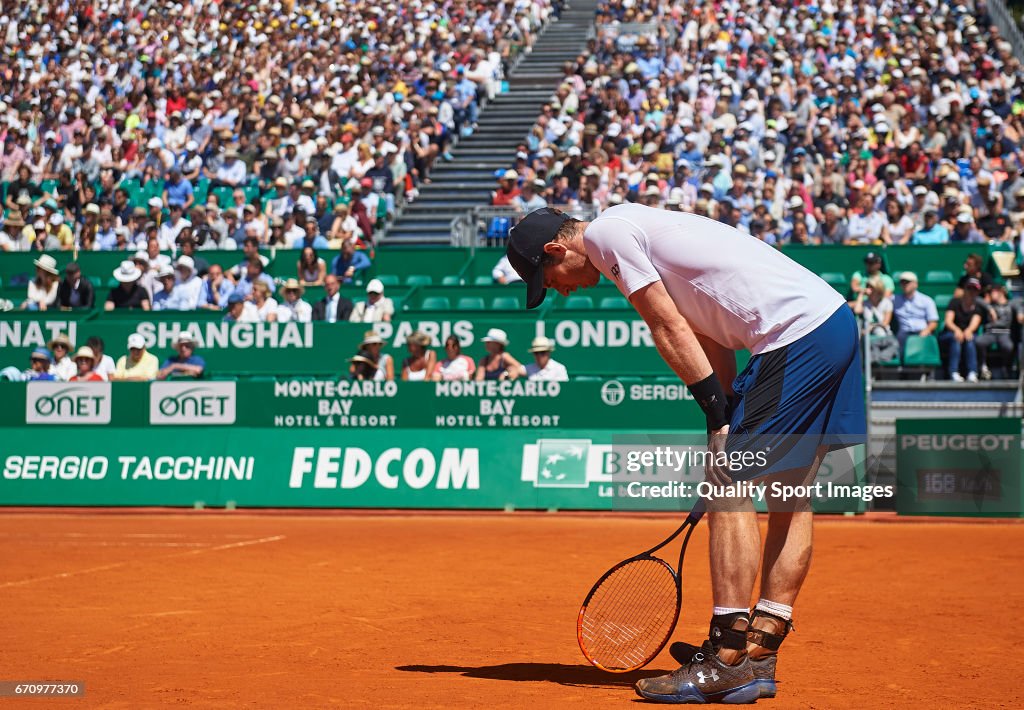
[{"x": 629, "y": 615}]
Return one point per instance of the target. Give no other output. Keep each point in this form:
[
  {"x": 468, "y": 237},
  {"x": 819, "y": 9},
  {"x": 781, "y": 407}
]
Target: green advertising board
[
  {"x": 240, "y": 466},
  {"x": 344, "y": 404},
  {"x": 959, "y": 467},
  {"x": 592, "y": 344}
]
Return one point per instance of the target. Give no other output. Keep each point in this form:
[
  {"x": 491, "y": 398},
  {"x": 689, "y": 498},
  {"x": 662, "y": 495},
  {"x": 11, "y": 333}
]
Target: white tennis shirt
[{"x": 730, "y": 287}]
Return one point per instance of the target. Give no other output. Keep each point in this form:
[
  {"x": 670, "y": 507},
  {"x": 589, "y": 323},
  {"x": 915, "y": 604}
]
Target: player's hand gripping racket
[{"x": 629, "y": 615}]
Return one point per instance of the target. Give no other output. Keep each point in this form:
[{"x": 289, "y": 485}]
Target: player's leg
[
  {"x": 787, "y": 559},
  {"x": 719, "y": 671}
]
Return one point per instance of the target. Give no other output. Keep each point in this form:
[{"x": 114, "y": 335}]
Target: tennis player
[{"x": 706, "y": 290}]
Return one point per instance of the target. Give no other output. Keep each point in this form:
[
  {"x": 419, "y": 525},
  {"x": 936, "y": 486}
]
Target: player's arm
[
  {"x": 722, "y": 359},
  {"x": 677, "y": 344}
]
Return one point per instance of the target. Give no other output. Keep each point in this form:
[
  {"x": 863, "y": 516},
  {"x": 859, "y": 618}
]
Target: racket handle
[{"x": 697, "y": 512}]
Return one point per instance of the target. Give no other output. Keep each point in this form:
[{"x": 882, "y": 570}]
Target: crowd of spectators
[
  {"x": 296, "y": 124},
  {"x": 60, "y": 362},
  {"x": 826, "y": 123},
  {"x": 422, "y": 363}
]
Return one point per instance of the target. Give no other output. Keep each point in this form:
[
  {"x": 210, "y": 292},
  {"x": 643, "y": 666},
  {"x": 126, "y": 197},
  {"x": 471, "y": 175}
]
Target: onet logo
[
  {"x": 183, "y": 403},
  {"x": 194, "y": 403},
  {"x": 77, "y": 401},
  {"x": 58, "y": 403}
]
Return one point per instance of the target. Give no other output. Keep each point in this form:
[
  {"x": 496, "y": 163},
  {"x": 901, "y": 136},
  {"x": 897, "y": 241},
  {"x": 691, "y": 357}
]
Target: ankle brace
[
  {"x": 723, "y": 635},
  {"x": 764, "y": 638}
]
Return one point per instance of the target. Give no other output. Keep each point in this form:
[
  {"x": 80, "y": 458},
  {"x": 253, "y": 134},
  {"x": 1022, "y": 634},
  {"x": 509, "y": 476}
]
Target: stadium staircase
[{"x": 467, "y": 181}]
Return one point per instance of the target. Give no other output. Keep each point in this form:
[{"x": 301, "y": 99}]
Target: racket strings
[{"x": 630, "y": 615}]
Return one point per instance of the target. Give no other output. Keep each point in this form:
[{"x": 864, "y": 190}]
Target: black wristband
[{"x": 710, "y": 396}]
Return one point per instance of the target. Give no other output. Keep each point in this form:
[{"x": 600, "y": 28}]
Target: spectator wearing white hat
[
  {"x": 508, "y": 190},
  {"x": 138, "y": 365},
  {"x": 129, "y": 293},
  {"x": 62, "y": 367},
  {"x": 544, "y": 367},
  {"x": 85, "y": 366},
  {"x": 14, "y": 236},
  {"x": 42, "y": 290},
  {"x": 376, "y": 308},
  {"x": 162, "y": 299},
  {"x": 185, "y": 364},
  {"x": 189, "y": 287},
  {"x": 292, "y": 307},
  {"x": 497, "y": 364}
]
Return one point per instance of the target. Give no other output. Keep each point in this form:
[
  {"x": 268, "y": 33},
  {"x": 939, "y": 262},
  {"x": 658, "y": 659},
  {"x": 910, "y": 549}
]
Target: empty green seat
[
  {"x": 579, "y": 302},
  {"x": 451, "y": 281},
  {"x": 418, "y": 280},
  {"x": 483, "y": 281},
  {"x": 936, "y": 278},
  {"x": 613, "y": 303},
  {"x": 922, "y": 351},
  {"x": 436, "y": 303},
  {"x": 96, "y": 281},
  {"x": 941, "y": 302},
  {"x": 470, "y": 303},
  {"x": 506, "y": 303},
  {"x": 389, "y": 279}
]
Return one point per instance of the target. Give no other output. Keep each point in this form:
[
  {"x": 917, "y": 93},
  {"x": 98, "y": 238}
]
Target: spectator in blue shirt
[
  {"x": 914, "y": 313},
  {"x": 186, "y": 364},
  {"x": 932, "y": 232},
  {"x": 178, "y": 191},
  {"x": 253, "y": 273},
  {"x": 349, "y": 263},
  {"x": 39, "y": 363},
  {"x": 312, "y": 237},
  {"x": 216, "y": 289},
  {"x": 162, "y": 299}
]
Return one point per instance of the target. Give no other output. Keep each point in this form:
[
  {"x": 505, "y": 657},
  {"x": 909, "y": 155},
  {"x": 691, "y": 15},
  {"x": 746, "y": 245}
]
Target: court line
[{"x": 115, "y": 565}]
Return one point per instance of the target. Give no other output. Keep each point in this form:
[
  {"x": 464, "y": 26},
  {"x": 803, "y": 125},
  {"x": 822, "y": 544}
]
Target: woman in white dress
[
  {"x": 455, "y": 366},
  {"x": 421, "y": 360}
]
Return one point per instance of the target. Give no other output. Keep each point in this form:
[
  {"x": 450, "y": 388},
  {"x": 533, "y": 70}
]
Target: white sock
[
  {"x": 723, "y": 610},
  {"x": 780, "y": 610}
]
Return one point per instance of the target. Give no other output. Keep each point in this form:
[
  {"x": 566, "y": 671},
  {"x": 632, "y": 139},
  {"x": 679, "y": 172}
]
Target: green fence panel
[{"x": 527, "y": 469}]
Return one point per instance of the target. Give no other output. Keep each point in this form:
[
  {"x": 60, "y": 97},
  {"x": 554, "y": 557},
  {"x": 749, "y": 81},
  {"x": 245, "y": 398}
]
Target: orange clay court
[{"x": 443, "y": 611}]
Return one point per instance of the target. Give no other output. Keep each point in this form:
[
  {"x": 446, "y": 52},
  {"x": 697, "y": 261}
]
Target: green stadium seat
[
  {"x": 224, "y": 198},
  {"x": 922, "y": 351},
  {"x": 418, "y": 280},
  {"x": 941, "y": 302},
  {"x": 451, "y": 281},
  {"x": 389, "y": 279},
  {"x": 483, "y": 281},
  {"x": 612, "y": 303},
  {"x": 506, "y": 303},
  {"x": 49, "y": 186},
  {"x": 95, "y": 281},
  {"x": 436, "y": 303},
  {"x": 835, "y": 279},
  {"x": 201, "y": 190},
  {"x": 470, "y": 303},
  {"x": 579, "y": 303},
  {"x": 937, "y": 278}
]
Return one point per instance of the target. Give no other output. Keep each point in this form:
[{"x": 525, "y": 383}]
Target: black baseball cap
[{"x": 526, "y": 249}]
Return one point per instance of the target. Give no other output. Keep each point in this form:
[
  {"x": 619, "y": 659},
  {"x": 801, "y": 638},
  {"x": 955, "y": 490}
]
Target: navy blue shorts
[{"x": 797, "y": 398}]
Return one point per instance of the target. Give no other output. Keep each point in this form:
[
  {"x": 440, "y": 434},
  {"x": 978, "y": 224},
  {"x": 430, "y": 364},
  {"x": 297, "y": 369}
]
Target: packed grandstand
[{"x": 218, "y": 163}]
